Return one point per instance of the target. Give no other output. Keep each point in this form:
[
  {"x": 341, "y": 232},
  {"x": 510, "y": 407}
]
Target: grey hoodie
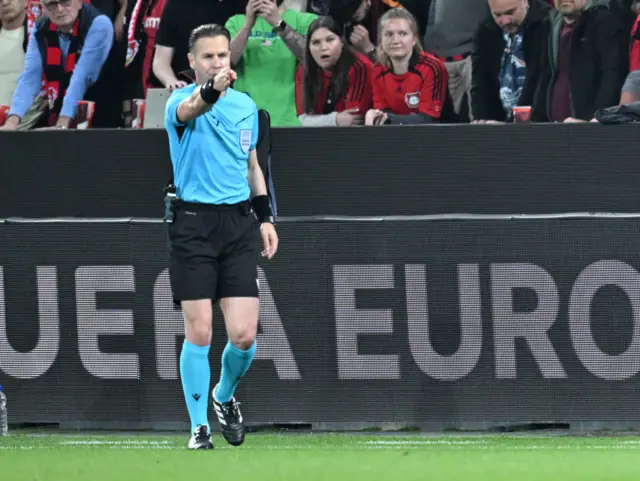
[{"x": 452, "y": 25}]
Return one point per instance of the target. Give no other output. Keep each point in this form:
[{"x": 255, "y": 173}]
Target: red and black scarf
[{"x": 56, "y": 76}]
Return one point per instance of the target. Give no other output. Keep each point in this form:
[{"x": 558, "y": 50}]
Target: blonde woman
[{"x": 409, "y": 85}]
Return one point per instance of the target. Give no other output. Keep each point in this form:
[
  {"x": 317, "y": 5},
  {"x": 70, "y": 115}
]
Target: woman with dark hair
[
  {"x": 333, "y": 86},
  {"x": 409, "y": 86}
]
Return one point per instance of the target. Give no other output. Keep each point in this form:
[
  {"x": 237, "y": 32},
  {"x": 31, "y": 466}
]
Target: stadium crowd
[{"x": 324, "y": 62}]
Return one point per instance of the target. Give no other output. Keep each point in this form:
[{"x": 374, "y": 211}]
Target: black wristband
[
  {"x": 208, "y": 93},
  {"x": 262, "y": 208}
]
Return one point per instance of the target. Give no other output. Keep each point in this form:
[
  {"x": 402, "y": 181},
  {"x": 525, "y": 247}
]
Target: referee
[{"x": 213, "y": 232}]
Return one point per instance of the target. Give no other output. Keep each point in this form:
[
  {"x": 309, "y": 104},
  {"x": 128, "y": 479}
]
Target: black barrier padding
[
  {"x": 307, "y": 368},
  {"x": 407, "y": 170}
]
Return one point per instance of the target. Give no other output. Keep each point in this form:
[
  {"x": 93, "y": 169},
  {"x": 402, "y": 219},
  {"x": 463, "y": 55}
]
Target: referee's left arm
[
  {"x": 261, "y": 206},
  {"x": 255, "y": 176},
  {"x": 259, "y": 196}
]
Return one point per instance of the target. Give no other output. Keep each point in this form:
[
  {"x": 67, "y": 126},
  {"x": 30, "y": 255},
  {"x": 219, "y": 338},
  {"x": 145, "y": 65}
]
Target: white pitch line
[
  {"x": 444, "y": 442},
  {"x": 453, "y": 445},
  {"x": 113, "y": 443}
]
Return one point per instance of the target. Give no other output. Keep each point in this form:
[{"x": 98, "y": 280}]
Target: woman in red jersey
[
  {"x": 409, "y": 85},
  {"x": 333, "y": 87}
]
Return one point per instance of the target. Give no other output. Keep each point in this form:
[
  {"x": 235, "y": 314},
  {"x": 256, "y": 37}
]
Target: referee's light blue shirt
[{"x": 210, "y": 153}]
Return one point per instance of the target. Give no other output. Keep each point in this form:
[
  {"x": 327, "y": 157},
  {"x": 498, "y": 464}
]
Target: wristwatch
[{"x": 281, "y": 26}]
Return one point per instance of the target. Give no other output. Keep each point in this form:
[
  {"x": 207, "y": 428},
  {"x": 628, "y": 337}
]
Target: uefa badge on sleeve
[{"x": 245, "y": 140}]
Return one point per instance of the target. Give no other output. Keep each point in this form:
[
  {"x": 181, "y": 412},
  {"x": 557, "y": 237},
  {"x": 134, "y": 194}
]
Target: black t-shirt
[{"x": 180, "y": 17}]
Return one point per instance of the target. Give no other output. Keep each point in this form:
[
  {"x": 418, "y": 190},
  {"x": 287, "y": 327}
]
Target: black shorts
[{"x": 214, "y": 252}]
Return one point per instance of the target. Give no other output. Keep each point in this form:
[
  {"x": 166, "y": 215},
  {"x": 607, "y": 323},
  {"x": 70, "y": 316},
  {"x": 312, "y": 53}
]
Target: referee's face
[{"x": 210, "y": 55}]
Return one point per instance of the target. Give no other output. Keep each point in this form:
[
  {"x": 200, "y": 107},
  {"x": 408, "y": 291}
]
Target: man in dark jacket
[
  {"x": 585, "y": 62},
  {"x": 506, "y": 58}
]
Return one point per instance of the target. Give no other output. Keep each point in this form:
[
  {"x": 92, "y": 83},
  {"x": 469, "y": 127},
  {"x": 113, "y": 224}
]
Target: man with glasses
[{"x": 67, "y": 50}]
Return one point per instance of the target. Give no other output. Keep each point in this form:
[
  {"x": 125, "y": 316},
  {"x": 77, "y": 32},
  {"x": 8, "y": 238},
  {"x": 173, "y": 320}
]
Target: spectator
[
  {"x": 634, "y": 53},
  {"x": 319, "y": 7},
  {"x": 623, "y": 9},
  {"x": 629, "y": 108},
  {"x": 507, "y": 50},
  {"x": 266, "y": 45},
  {"x": 333, "y": 86},
  {"x": 67, "y": 49},
  {"x": 450, "y": 28},
  {"x": 142, "y": 27},
  {"x": 410, "y": 86},
  {"x": 179, "y": 19},
  {"x": 631, "y": 89},
  {"x": 14, "y": 35},
  {"x": 116, "y": 11},
  {"x": 585, "y": 64},
  {"x": 107, "y": 92},
  {"x": 359, "y": 22}
]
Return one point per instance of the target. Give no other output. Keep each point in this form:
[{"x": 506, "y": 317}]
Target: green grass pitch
[{"x": 316, "y": 457}]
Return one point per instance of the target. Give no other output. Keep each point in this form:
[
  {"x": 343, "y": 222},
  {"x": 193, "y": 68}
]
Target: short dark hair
[{"x": 208, "y": 30}]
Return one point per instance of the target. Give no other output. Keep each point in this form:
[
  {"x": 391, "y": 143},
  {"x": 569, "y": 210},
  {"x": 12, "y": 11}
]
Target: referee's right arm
[
  {"x": 203, "y": 97},
  {"x": 192, "y": 107}
]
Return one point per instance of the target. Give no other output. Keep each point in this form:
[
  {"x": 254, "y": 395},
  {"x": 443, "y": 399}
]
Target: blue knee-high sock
[
  {"x": 235, "y": 364},
  {"x": 196, "y": 377}
]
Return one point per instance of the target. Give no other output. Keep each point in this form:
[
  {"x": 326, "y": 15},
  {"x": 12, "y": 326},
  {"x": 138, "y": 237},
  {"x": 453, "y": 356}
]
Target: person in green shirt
[{"x": 267, "y": 43}]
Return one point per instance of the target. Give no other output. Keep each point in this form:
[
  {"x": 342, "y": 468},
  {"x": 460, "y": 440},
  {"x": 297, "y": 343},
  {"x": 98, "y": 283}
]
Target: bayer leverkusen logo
[
  {"x": 412, "y": 100},
  {"x": 52, "y": 95}
]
